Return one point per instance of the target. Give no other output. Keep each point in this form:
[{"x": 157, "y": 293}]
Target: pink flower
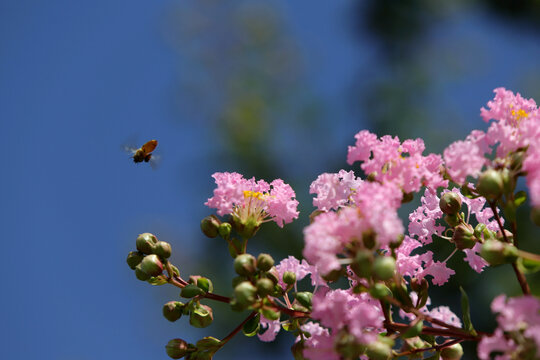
[
  {"x": 462, "y": 159},
  {"x": 258, "y": 201},
  {"x": 272, "y": 329},
  {"x": 443, "y": 313},
  {"x": 516, "y": 313},
  {"x": 497, "y": 343},
  {"x": 320, "y": 344},
  {"x": 300, "y": 269},
  {"x": 333, "y": 190}
]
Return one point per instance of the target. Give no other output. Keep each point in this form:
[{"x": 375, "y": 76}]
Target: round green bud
[
  {"x": 289, "y": 277},
  {"x": 265, "y": 286},
  {"x": 298, "y": 350},
  {"x": 145, "y": 243},
  {"x": 205, "y": 284},
  {"x": 464, "y": 237},
  {"x": 151, "y": 265},
  {"x": 348, "y": 347},
  {"x": 414, "y": 330},
  {"x": 210, "y": 226},
  {"x": 177, "y": 348},
  {"x": 496, "y": 252},
  {"x": 363, "y": 264},
  {"x": 264, "y": 262},
  {"x": 509, "y": 183},
  {"x": 490, "y": 184},
  {"x": 224, "y": 230},
  {"x": 454, "y": 352},
  {"x": 201, "y": 317},
  {"x": 535, "y": 216},
  {"x": 450, "y": 203},
  {"x": 304, "y": 298},
  {"x": 270, "y": 314},
  {"x": 172, "y": 310},
  {"x": 379, "y": 350},
  {"x": 272, "y": 274},
  {"x": 244, "y": 264},
  {"x": 134, "y": 258},
  {"x": 384, "y": 267},
  {"x": 191, "y": 290},
  {"x": 141, "y": 275},
  {"x": 419, "y": 286},
  {"x": 245, "y": 294},
  {"x": 163, "y": 249},
  {"x": 379, "y": 291},
  {"x": 452, "y": 220}
]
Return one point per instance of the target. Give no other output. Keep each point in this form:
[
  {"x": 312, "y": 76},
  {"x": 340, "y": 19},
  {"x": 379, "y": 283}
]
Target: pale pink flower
[
  {"x": 271, "y": 329},
  {"x": 462, "y": 159},
  {"x": 497, "y": 343},
  {"x": 516, "y": 313},
  {"x": 333, "y": 190},
  {"x": 443, "y": 313},
  {"x": 320, "y": 344},
  {"x": 300, "y": 269},
  {"x": 423, "y": 219}
]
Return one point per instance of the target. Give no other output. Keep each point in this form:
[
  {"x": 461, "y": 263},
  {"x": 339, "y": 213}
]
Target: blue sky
[{"x": 79, "y": 79}]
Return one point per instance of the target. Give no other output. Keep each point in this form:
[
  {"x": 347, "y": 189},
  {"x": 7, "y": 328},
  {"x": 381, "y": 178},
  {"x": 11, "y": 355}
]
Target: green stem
[
  {"x": 238, "y": 328},
  {"x": 528, "y": 255}
]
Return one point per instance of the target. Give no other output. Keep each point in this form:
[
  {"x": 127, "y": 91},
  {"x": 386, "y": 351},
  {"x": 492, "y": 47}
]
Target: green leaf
[
  {"x": 157, "y": 280},
  {"x": 528, "y": 266},
  {"x": 465, "y": 310},
  {"x": 520, "y": 198},
  {"x": 252, "y": 326}
]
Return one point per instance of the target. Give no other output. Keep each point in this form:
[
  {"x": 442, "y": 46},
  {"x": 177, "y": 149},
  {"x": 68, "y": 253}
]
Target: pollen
[
  {"x": 520, "y": 114},
  {"x": 253, "y": 194}
]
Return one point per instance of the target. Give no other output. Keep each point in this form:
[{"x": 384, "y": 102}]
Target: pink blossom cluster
[
  {"x": 334, "y": 190},
  {"x": 399, "y": 163},
  {"x": 519, "y": 326},
  {"x": 245, "y": 198},
  {"x": 374, "y": 210},
  {"x": 442, "y": 313}
]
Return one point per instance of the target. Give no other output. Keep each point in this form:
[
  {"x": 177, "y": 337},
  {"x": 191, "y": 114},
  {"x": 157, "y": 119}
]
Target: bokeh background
[{"x": 271, "y": 89}]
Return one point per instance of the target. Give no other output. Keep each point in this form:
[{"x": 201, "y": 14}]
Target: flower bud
[
  {"x": 141, "y": 275},
  {"x": 134, "y": 258},
  {"x": 464, "y": 237},
  {"x": 452, "y": 220},
  {"x": 244, "y": 264},
  {"x": 304, "y": 298},
  {"x": 497, "y": 253},
  {"x": 379, "y": 291},
  {"x": 210, "y": 225},
  {"x": 379, "y": 350},
  {"x": 265, "y": 286},
  {"x": 270, "y": 314},
  {"x": 413, "y": 331},
  {"x": 516, "y": 160},
  {"x": 535, "y": 215},
  {"x": 201, "y": 317},
  {"x": 177, "y": 348},
  {"x": 289, "y": 277},
  {"x": 245, "y": 293},
  {"x": 384, "y": 267},
  {"x": 151, "y": 265},
  {"x": 347, "y": 346},
  {"x": 205, "y": 284},
  {"x": 363, "y": 264},
  {"x": 369, "y": 239},
  {"x": 454, "y": 352},
  {"x": 172, "y": 310},
  {"x": 145, "y": 243},
  {"x": 163, "y": 249},
  {"x": 264, "y": 262},
  {"x": 272, "y": 274},
  {"x": 224, "y": 230},
  {"x": 450, "y": 203},
  {"x": 191, "y": 290},
  {"x": 490, "y": 184},
  {"x": 298, "y": 351},
  {"x": 419, "y": 286}
]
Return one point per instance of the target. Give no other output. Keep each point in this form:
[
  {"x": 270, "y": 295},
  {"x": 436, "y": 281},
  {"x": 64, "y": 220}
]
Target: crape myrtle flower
[
  {"x": 301, "y": 269},
  {"x": 442, "y": 313},
  {"x": 254, "y": 201},
  {"x": 403, "y": 164},
  {"x": 320, "y": 344},
  {"x": 333, "y": 190}
]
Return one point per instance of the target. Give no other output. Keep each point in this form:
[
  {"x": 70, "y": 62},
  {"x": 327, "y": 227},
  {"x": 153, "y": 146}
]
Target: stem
[
  {"x": 436, "y": 348},
  {"x": 237, "y": 329},
  {"x": 496, "y": 215},
  {"x": 528, "y": 255},
  {"x": 401, "y": 328}
]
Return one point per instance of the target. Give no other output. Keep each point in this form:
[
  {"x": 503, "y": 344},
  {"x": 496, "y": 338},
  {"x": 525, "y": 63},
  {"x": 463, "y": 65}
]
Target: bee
[{"x": 144, "y": 153}]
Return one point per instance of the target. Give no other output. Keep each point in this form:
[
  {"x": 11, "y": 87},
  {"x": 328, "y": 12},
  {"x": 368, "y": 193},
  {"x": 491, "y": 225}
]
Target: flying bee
[{"x": 144, "y": 153}]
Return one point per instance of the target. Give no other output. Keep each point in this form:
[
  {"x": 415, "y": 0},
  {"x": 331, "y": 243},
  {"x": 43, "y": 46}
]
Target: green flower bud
[
  {"x": 245, "y": 294},
  {"x": 363, "y": 264},
  {"x": 141, "y": 275},
  {"x": 379, "y": 291},
  {"x": 265, "y": 286},
  {"x": 172, "y": 310},
  {"x": 191, "y": 290},
  {"x": 414, "y": 330},
  {"x": 509, "y": 183},
  {"x": 177, "y": 348},
  {"x": 452, "y": 220},
  {"x": 273, "y": 275},
  {"x": 264, "y": 262},
  {"x": 379, "y": 350},
  {"x": 205, "y": 284},
  {"x": 224, "y": 230},
  {"x": 454, "y": 352},
  {"x": 450, "y": 203},
  {"x": 419, "y": 285},
  {"x": 210, "y": 226},
  {"x": 369, "y": 239},
  {"x": 145, "y": 243},
  {"x": 298, "y": 351},
  {"x": 289, "y": 277},
  {"x": 163, "y": 249},
  {"x": 348, "y": 347},
  {"x": 497, "y": 253},
  {"x": 151, "y": 265},
  {"x": 464, "y": 237},
  {"x": 134, "y": 258},
  {"x": 270, "y": 314},
  {"x": 201, "y": 317},
  {"x": 490, "y": 184},
  {"x": 535, "y": 216},
  {"x": 244, "y": 264},
  {"x": 304, "y": 298},
  {"x": 516, "y": 160},
  {"x": 384, "y": 267}
]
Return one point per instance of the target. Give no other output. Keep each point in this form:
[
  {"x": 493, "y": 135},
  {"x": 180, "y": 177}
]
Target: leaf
[
  {"x": 528, "y": 266},
  {"x": 157, "y": 280},
  {"x": 520, "y": 198},
  {"x": 252, "y": 326},
  {"x": 465, "y": 310}
]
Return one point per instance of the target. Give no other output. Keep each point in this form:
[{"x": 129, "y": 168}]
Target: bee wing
[
  {"x": 149, "y": 146},
  {"x": 129, "y": 149},
  {"x": 155, "y": 162}
]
